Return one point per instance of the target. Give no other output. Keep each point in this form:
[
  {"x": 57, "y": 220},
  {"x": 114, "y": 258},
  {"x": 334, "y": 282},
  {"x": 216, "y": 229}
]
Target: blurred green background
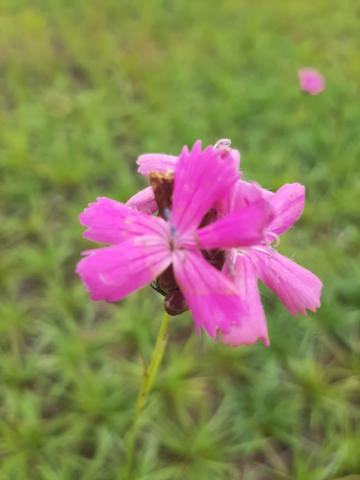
[{"x": 86, "y": 86}]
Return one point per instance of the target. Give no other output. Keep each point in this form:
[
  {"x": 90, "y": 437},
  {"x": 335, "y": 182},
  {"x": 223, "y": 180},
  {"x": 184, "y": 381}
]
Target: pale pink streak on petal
[
  {"x": 144, "y": 201},
  {"x": 210, "y": 295},
  {"x": 112, "y": 222},
  {"x": 288, "y": 204},
  {"x": 156, "y": 162},
  {"x": 201, "y": 179},
  {"x": 237, "y": 229},
  {"x": 298, "y": 288},
  {"x": 253, "y": 323},
  {"x": 112, "y": 273}
]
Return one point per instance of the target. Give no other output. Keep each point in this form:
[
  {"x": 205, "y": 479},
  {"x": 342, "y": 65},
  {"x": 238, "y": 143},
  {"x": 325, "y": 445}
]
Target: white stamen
[
  {"x": 232, "y": 264},
  {"x": 268, "y": 250},
  {"x": 223, "y": 143},
  {"x": 272, "y": 237}
]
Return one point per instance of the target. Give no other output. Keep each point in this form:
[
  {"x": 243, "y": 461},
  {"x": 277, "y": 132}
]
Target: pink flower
[
  {"x": 144, "y": 246},
  {"x": 311, "y": 81},
  {"x": 297, "y": 288}
]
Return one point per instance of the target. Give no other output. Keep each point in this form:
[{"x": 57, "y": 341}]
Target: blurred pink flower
[
  {"x": 144, "y": 246},
  {"x": 311, "y": 81}
]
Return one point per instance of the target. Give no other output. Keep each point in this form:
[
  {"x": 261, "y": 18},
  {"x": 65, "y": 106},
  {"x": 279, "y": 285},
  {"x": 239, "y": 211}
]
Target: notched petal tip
[
  {"x": 298, "y": 288},
  {"x": 195, "y": 149}
]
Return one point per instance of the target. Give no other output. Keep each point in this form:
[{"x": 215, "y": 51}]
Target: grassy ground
[{"x": 84, "y": 88}]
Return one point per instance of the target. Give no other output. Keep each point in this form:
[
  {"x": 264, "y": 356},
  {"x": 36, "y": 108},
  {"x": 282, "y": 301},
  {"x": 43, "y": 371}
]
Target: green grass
[{"x": 84, "y": 88}]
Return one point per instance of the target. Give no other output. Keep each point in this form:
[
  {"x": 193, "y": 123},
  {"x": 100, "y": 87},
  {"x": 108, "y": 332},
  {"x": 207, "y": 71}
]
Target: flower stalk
[{"x": 149, "y": 378}]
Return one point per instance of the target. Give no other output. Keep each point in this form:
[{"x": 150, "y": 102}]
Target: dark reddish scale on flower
[
  {"x": 215, "y": 257},
  {"x": 174, "y": 301},
  {"x": 210, "y": 217},
  {"x": 165, "y": 284}
]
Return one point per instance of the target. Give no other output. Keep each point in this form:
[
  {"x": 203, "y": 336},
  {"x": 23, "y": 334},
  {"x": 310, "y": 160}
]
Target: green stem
[{"x": 148, "y": 381}]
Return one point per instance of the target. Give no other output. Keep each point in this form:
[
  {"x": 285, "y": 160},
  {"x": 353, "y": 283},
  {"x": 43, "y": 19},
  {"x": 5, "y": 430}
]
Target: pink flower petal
[
  {"x": 228, "y": 154},
  {"x": 144, "y": 201},
  {"x": 235, "y": 154},
  {"x": 163, "y": 163},
  {"x": 156, "y": 162},
  {"x": 201, "y": 179},
  {"x": 112, "y": 222},
  {"x": 112, "y": 273},
  {"x": 227, "y": 202},
  {"x": 238, "y": 229},
  {"x": 242, "y": 194},
  {"x": 245, "y": 193},
  {"x": 212, "y": 298},
  {"x": 288, "y": 204},
  {"x": 311, "y": 81},
  {"x": 298, "y": 288},
  {"x": 253, "y": 323}
]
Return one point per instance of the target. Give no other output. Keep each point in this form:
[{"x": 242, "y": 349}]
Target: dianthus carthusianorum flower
[
  {"x": 177, "y": 247},
  {"x": 298, "y": 288}
]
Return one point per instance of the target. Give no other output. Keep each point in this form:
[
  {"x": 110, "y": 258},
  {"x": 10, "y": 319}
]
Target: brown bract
[{"x": 162, "y": 185}]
